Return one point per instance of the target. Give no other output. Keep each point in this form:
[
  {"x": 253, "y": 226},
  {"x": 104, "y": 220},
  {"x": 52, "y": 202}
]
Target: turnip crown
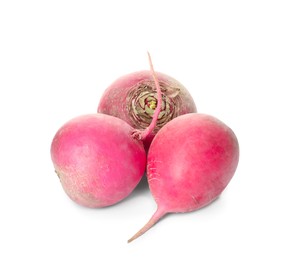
[{"x": 142, "y": 102}]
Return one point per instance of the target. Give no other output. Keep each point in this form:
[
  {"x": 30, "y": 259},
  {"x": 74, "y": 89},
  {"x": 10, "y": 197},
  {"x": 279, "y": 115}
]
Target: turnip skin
[
  {"x": 132, "y": 98},
  {"x": 97, "y": 160},
  {"x": 202, "y": 161},
  {"x": 190, "y": 162}
]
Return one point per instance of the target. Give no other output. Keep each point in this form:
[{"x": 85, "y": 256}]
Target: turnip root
[
  {"x": 97, "y": 160},
  {"x": 190, "y": 162},
  {"x": 133, "y": 98},
  {"x": 100, "y": 158}
]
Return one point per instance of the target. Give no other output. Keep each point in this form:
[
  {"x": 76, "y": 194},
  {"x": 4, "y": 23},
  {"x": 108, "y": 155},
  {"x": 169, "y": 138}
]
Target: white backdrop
[{"x": 56, "y": 59}]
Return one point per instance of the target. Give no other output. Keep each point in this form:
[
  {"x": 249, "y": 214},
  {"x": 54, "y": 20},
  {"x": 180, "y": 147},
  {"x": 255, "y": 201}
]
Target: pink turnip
[
  {"x": 133, "y": 98},
  {"x": 190, "y": 162},
  {"x": 100, "y": 158},
  {"x": 97, "y": 160}
]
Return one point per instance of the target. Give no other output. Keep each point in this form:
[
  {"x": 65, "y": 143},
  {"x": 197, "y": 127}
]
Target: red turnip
[
  {"x": 97, "y": 160},
  {"x": 100, "y": 158},
  {"x": 190, "y": 162},
  {"x": 133, "y": 98}
]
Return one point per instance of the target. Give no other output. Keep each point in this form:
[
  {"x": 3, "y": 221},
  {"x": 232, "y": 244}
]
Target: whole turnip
[
  {"x": 97, "y": 160},
  {"x": 190, "y": 162},
  {"x": 133, "y": 98}
]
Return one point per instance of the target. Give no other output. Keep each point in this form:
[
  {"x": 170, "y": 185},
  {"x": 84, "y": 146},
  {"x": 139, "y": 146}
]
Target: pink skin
[
  {"x": 133, "y": 99},
  {"x": 97, "y": 160},
  {"x": 190, "y": 162}
]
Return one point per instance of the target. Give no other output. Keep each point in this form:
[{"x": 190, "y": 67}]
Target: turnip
[
  {"x": 100, "y": 158},
  {"x": 190, "y": 162},
  {"x": 97, "y": 160},
  {"x": 133, "y": 98}
]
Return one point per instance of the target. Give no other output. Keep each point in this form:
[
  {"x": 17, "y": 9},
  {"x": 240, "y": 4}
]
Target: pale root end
[
  {"x": 154, "y": 219},
  {"x": 157, "y": 111}
]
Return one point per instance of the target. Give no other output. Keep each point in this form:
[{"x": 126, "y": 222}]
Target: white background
[{"x": 56, "y": 59}]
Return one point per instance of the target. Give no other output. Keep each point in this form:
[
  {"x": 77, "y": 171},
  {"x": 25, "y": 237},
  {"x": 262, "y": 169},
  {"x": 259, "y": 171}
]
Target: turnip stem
[
  {"x": 154, "y": 219},
  {"x": 157, "y": 111}
]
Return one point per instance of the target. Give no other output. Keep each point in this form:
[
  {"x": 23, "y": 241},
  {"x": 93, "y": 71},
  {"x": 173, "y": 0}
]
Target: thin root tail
[{"x": 154, "y": 219}]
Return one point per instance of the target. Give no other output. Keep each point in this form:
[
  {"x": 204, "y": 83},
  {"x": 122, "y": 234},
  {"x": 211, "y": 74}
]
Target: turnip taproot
[
  {"x": 133, "y": 98},
  {"x": 190, "y": 162},
  {"x": 100, "y": 158}
]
